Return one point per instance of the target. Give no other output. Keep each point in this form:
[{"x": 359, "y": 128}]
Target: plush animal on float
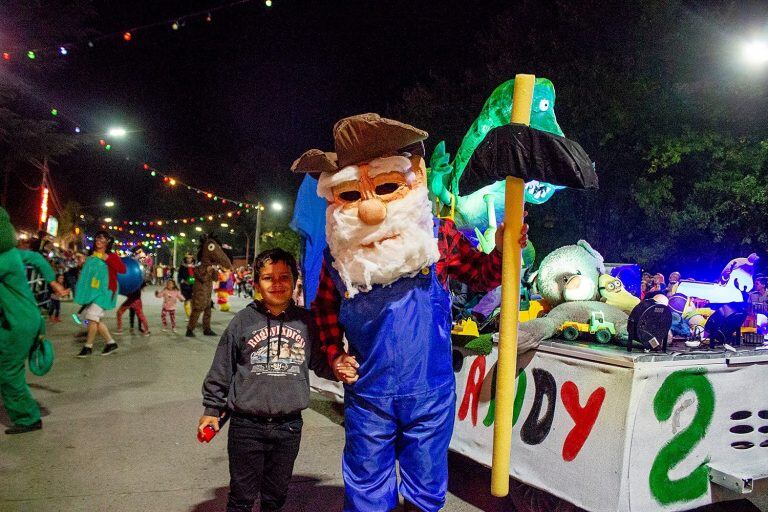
[
  {"x": 568, "y": 280},
  {"x": 736, "y": 279}
]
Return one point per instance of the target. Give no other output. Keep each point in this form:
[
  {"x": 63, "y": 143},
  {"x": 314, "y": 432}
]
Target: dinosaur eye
[
  {"x": 544, "y": 105},
  {"x": 211, "y": 247},
  {"x": 386, "y": 188},
  {"x": 350, "y": 195}
]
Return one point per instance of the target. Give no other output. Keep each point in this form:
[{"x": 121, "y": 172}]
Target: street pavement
[{"x": 119, "y": 433}]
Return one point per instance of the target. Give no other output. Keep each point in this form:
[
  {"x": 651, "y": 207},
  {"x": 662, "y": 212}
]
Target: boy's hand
[
  {"x": 208, "y": 420},
  {"x": 345, "y": 368},
  {"x": 523, "y": 240}
]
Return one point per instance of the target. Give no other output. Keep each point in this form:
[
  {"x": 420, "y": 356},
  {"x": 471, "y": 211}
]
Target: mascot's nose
[
  {"x": 372, "y": 211},
  {"x": 573, "y": 282}
]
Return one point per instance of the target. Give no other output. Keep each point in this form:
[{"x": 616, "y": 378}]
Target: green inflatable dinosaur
[{"x": 480, "y": 208}]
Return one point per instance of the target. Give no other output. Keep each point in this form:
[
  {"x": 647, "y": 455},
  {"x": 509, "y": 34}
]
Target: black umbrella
[{"x": 523, "y": 152}]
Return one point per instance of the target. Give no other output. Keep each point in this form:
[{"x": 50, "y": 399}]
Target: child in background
[
  {"x": 54, "y": 306},
  {"x": 133, "y": 302},
  {"x": 170, "y": 295}
]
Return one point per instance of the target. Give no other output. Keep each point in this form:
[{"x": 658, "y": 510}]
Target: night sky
[{"x": 228, "y": 105}]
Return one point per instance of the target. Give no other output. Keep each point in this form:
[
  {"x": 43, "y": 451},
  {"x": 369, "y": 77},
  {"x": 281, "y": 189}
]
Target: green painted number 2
[{"x": 696, "y": 483}]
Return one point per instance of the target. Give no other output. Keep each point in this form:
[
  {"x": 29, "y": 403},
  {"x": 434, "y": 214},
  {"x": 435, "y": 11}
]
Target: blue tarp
[{"x": 309, "y": 222}]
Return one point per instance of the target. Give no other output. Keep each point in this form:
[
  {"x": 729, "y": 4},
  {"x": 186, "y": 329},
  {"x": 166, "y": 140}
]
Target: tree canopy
[{"x": 657, "y": 103}]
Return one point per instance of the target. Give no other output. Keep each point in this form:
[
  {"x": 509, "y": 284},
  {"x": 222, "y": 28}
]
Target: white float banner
[{"x": 617, "y": 438}]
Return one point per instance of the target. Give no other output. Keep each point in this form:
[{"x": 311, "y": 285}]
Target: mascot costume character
[
  {"x": 209, "y": 257},
  {"x": 383, "y": 286},
  {"x": 20, "y": 326}
]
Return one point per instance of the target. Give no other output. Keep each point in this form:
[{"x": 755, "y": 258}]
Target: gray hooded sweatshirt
[{"x": 261, "y": 364}]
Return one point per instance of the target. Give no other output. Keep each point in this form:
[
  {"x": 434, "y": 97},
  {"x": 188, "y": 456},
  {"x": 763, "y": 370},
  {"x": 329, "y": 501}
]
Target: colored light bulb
[
  {"x": 63, "y": 50},
  {"x": 6, "y": 56},
  {"x": 31, "y": 55}
]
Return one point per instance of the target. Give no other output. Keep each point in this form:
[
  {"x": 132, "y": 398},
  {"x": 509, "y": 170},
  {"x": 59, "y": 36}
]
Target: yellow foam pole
[{"x": 506, "y": 366}]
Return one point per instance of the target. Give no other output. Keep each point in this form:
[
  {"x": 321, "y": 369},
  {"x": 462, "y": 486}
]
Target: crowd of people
[{"x": 655, "y": 284}]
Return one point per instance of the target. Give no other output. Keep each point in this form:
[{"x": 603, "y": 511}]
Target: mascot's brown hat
[{"x": 362, "y": 138}]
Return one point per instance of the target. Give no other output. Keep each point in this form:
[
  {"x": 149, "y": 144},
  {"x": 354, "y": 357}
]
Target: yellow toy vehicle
[{"x": 597, "y": 326}]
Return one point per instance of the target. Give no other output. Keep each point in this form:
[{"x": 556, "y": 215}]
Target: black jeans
[{"x": 261, "y": 456}]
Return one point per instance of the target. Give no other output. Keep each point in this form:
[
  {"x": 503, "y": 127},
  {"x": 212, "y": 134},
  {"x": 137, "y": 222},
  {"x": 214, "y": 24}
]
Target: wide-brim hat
[
  {"x": 362, "y": 138},
  {"x": 41, "y": 357}
]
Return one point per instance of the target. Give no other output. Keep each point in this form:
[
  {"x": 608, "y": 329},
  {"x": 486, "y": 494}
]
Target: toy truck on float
[{"x": 602, "y": 331}]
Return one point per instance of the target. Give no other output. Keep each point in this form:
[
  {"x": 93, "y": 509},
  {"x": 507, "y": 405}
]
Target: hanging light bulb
[
  {"x": 153, "y": 173},
  {"x": 208, "y": 18},
  {"x": 175, "y": 25},
  {"x": 31, "y": 55},
  {"x": 54, "y": 112},
  {"x": 268, "y": 3},
  {"x": 63, "y": 50},
  {"x": 77, "y": 129},
  {"x": 127, "y": 36},
  {"x": 6, "y": 56}
]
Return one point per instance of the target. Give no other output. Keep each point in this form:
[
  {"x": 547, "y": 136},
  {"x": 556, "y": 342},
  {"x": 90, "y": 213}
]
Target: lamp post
[
  {"x": 257, "y": 235},
  {"x": 276, "y": 206}
]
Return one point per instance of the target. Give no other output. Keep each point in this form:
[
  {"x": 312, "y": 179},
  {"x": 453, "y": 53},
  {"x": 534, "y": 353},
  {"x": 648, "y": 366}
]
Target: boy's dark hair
[{"x": 276, "y": 255}]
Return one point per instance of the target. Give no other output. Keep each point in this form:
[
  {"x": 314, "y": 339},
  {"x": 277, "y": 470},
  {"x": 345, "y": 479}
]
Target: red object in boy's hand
[{"x": 207, "y": 434}]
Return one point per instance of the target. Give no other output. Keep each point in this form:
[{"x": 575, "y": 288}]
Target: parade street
[{"x": 119, "y": 434}]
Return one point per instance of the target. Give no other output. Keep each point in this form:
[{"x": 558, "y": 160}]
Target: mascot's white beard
[{"x": 403, "y": 243}]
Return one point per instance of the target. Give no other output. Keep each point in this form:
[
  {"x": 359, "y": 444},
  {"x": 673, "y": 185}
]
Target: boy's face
[{"x": 275, "y": 284}]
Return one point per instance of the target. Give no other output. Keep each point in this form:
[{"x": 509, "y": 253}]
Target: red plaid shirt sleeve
[
  {"x": 460, "y": 260},
  {"x": 325, "y": 312}
]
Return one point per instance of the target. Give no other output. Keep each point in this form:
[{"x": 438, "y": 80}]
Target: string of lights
[
  {"x": 62, "y": 50},
  {"x": 121, "y": 224},
  {"x": 173, "y": 182},
  {"x": 166, "y": 177}
]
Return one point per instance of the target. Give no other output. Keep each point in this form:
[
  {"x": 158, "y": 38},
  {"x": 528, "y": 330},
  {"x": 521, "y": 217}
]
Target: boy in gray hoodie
[{"x": 259, "y": 377}]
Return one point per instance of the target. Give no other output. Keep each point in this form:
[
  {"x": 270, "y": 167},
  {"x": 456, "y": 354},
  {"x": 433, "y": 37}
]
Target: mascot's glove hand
[
  {"x": 345, "y": 369},
  {"x": 523, "y": 240},
  {"x": 208, "y": 420}
]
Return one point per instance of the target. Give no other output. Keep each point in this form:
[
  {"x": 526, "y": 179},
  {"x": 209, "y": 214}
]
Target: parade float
[{"x": 608, "y": 411}]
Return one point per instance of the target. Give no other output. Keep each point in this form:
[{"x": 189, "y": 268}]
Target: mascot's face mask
[
  {"x": 379, "y": 222},
  {"x": 370, "y": 188}
]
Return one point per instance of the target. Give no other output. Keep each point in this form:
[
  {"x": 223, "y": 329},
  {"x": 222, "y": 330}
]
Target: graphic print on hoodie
[{"x": 276, "y": 350}]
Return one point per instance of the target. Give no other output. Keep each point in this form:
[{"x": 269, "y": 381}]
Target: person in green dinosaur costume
[
  {"x": 210, "y": 255},
  {"x": 20, "y": 323}
]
